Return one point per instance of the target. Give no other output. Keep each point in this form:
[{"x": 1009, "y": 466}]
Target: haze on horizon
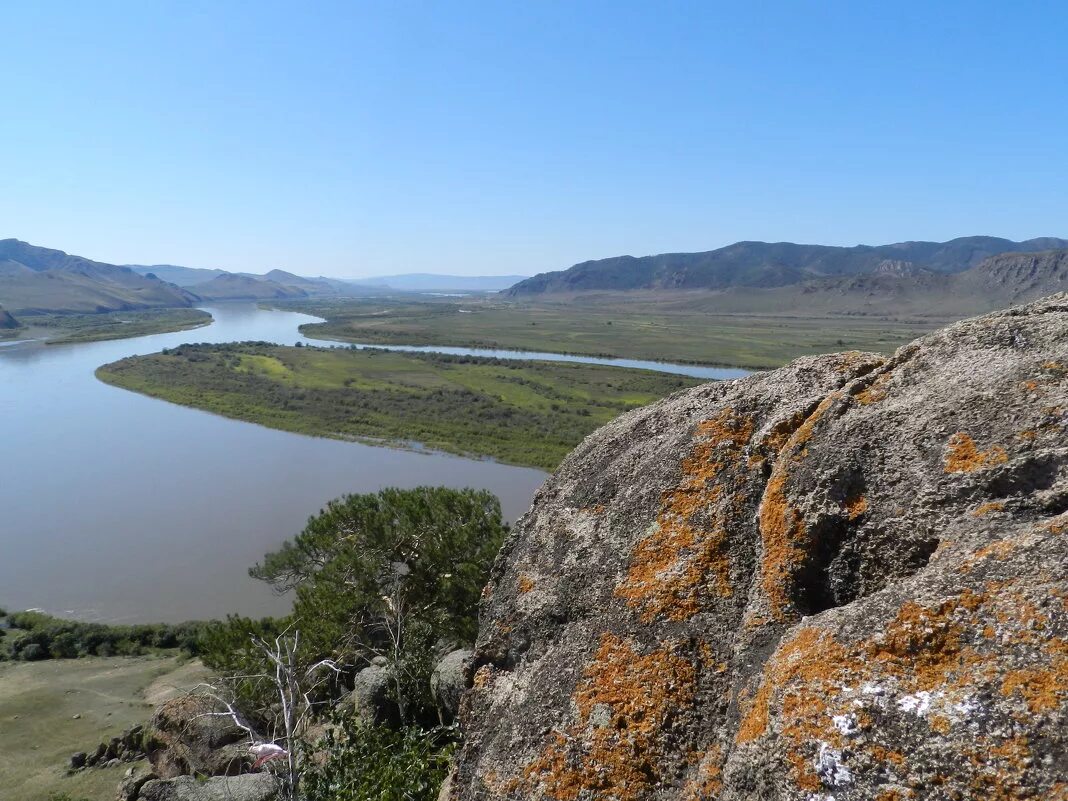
[{"x": 357, "y": 140}]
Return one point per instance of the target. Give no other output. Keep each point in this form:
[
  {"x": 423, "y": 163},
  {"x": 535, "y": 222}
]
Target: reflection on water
[{"x": 121, "y": 507}]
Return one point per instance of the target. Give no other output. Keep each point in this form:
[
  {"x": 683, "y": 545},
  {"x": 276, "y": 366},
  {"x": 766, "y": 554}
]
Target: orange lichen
[
  {"x": 1028, "y": 435},
  {"x": 855, "y": 506},
  {"x": 965, "y": 457},
  {"x": 847, "y": 361},
  {"x": 525, "y": 584},
  {"x": 708, "y": 781},
  {"x": 999, "y": 549},
  {"x": 924, "y": 648},
  {"x": 614, "y": 749},
  {"x": 874, "y": 392},
  {"x": 685, "y": 555},
  {"x": 780, "y": 434},
  {"x": 987, "y": 508},
  {"x": 1042, "y": 690},
  {"x": 782, "y": 530},
  {"x": 483, "y": 677}
]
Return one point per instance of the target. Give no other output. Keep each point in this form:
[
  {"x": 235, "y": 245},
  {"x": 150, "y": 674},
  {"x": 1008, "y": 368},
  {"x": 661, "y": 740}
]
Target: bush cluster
[{"x": 37, "y": 636}]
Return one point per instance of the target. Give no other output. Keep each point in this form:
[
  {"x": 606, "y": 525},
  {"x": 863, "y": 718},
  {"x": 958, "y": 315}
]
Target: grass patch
[
  {"x": 67, "y": 328},
  {"x": 520, "y": 412},
  {"x": 39, "y": 731},
  {"x": 699, "y": 328}
]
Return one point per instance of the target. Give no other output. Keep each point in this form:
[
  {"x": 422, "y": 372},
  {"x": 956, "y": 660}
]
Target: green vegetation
[
  {"x": 390, "y": 579},
  {"x": 390, "y": 574},
  {"x": 700, "y": 328},
  {"x": 49, "y": 710},
  {"x": 377, "y": 762},
  {"x": 115, "y": 325},
  {"x": 34, "y": 636},
  {"x": 521, "y": 412}
]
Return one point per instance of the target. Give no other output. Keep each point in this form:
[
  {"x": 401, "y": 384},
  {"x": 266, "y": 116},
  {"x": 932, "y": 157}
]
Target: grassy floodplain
[
  {"x": 519, "y": 412},
  {"x": 68, "y": 328},
  {"x": 699, "y": 328},
  {"x": 49, "y": 710}
]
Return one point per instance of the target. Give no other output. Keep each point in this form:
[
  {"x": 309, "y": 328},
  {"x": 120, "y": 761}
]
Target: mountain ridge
[{"x": 772, "y": 264}]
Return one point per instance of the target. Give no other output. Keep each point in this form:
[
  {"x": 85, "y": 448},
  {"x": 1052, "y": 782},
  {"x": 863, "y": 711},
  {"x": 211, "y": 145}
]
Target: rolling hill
[
  {"x": 1003, "y": 280},
  {"x": 767, "y": 265},
  {"x": 36, "y": 279},
  {"x": 430, "y": 282},
  {"x": 175, "y": 274},
  {"x": 231, "y": 286}
]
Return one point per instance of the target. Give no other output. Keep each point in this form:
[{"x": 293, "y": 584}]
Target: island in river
[{"x": 519, "y": 412}]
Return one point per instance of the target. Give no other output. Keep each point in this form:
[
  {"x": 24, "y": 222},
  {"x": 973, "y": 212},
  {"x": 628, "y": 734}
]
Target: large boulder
[
  {"x": 248, "y": 787},
  {"x": 847, "y": 579},
  {"x": 448, "y": 681},
  {"x": 370, "y": 697},
  {"x": 191, "y": 735}
]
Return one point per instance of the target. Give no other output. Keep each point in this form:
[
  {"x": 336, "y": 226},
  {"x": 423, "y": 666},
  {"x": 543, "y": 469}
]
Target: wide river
[{"x": 115, "y": 506}]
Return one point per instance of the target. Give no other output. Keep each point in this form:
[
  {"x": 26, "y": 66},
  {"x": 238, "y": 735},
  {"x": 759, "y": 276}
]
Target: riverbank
[
  {"x": 58, "y": 329},
  {"x": 518, "y": 412},
  {"x": 681, "y": 329}
]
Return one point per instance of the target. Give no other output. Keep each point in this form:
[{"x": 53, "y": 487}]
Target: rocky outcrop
[
  {"x": 189, "y": 736},
  {"x": 248, "y": 787},
  {"x": 128, "y": 746},
  {"x": 448, "y": 681},
  {"x": 842, "y": 579},
  {"x": 370, "y": 699}
]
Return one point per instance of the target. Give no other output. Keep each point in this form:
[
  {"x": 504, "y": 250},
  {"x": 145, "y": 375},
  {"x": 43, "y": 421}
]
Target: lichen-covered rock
[
  {"x": 189, "y": 735},
  {"x": 448, "y": 681},
  {"x": 847, "y": 579},
  {"x": 247, "y": 787}
]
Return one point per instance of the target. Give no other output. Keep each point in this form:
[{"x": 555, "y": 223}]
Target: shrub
[
  {"x": 33, "y": 652},
  {"x": 376, "y": 762}
]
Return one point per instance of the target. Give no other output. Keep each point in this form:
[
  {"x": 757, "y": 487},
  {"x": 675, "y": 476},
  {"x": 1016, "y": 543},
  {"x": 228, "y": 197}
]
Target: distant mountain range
[
  {"x": 191, "y": 277},
  {"x": 768, "y": 265},
  {"x": 41, "y": 280},
  {"x": 957, "y": 278},
  {"x": 35, "y": 279},
  {"x": 430, "y": 282}
]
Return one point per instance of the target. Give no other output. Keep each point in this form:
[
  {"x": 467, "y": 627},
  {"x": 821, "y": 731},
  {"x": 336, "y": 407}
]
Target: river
[{"x": 119, "y": 507}]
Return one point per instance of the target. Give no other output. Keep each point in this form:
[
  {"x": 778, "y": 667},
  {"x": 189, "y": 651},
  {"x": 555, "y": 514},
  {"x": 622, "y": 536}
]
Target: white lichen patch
[
  {"x": 918, "y": 703},
  {"x": 846, "y": 724},
  {"x": 830, "y": 767}
]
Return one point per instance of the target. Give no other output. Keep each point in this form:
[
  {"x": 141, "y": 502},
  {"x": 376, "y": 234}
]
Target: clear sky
[{"x": 354, "y": 139}]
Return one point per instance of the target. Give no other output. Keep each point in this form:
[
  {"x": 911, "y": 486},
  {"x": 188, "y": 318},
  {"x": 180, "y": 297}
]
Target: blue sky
[{"x": 354, "y": 139}]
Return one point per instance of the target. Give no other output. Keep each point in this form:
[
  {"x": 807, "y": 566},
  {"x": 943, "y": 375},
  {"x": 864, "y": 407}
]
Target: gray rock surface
[
  {"x": 448, "y": 681},
  {"x": 132, "y": 782},
  {"x": 369, "y": 699},
  {"x": 247, "y": 787},
  {"x": 188, "y": 737},
  {"x": 847, "y": 579}
]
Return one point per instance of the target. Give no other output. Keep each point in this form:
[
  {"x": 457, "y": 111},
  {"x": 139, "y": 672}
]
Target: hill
[
  {"x": 230, "y": 286},
  {"x": 7, "y": 322},
  {"x": 430, "y": 282},
  {"x": 766, "y": 265},
  {"x": 42, "y": 280},
  {"x": 175, "y": 274},
  {"x": 997, "y": 282}
]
